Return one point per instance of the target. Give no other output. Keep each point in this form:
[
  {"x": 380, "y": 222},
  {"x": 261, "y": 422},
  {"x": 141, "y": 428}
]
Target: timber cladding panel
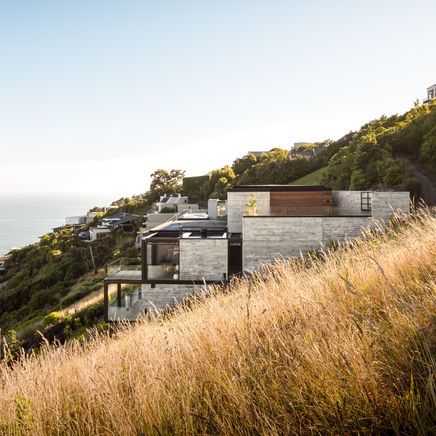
[{"x": 301, "y": 203}]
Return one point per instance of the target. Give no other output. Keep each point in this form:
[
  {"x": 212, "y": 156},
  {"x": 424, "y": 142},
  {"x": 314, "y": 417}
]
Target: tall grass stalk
[{"x": 338, "y": 343}]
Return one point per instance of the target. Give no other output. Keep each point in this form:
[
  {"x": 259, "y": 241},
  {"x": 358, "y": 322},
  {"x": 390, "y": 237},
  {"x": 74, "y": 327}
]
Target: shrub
[{"x": 53, "y": 318}]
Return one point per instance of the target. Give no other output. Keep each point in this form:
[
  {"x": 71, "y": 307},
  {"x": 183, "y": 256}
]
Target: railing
[
  {"x": 123, "y": 264},
  {"x": 162, "y": 272}
]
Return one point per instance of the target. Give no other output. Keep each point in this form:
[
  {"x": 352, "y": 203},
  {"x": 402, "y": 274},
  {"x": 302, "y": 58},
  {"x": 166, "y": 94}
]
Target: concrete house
[
  {"x": 171, "y": 201},
  {"x": 263, "y": 223}
]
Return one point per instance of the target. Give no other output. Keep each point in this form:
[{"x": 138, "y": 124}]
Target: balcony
[
  {"x": 125, "y": 270},
  {"x": 162, "y": 272}
]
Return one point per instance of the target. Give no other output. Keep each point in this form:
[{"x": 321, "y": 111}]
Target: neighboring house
[
  {"x": 304, "y": 149},
  {"x": 75, "y": 220},
  {"x": 170, "y": 201},
  {"x": 256, "y": 153},
  {"x": 181, "y": 256},
  {"x": 3, "y": 269},
  {"x": 96, "y": 232},
  {"x": 431, "y": 93},
  {"x": 81, "y": 219},
  {"x": 122, "y": 220}
]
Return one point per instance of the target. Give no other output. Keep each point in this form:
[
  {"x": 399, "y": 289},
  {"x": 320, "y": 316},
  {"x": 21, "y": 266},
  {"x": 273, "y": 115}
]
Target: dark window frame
[
  {"x": 152, "y": 243},
  {"x": 366, "y": 201}
]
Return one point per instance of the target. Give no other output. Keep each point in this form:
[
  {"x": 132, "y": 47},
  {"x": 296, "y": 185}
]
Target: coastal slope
[{"x": 338, "y": 343}]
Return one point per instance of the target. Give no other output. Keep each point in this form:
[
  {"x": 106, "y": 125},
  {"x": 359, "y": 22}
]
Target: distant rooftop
[{"x": 257, "y": 153}]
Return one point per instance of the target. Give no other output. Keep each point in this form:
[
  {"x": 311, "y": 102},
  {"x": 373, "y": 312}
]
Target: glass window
[{"x": 163, "y": 260}]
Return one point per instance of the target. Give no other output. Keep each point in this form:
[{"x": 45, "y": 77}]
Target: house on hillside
[
  {"x": 304, "y": 149},
  {"x": 171, "y": 202},
  {"x": 263, "y": 223},
  {"x": 256, "y": 153},
  {"x": 81, "y": 219},
  {"x": 431, "y": 94},
  {"x": 119, "y": 220}
]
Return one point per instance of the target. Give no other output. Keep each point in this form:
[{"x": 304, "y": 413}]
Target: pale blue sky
[{"x": 95, "y": 95}]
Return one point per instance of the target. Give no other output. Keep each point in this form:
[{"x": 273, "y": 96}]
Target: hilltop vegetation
[
  {"x": 343, "y": 343},
  {"x": 382, "y": 154},
  {"x": 372, "y": 156}
]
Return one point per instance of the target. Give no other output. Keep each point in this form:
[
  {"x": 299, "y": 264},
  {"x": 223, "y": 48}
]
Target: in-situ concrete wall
[
  {"x": 269, "y": 238},
  {"x": 384, "y": 204},
  {"x": 203, "y": 259},
  {"x": 236, "y": 202},
  {"x": 164, "y": 295},
  {"x": 348, "y": 203}
]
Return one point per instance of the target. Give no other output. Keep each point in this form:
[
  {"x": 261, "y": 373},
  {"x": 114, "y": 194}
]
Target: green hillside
[
  {"x": 313, "y": 178},
  {"x": 383, "y": 154}
]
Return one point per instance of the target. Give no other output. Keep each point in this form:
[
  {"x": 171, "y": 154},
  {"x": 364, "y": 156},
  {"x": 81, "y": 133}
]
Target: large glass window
[{"x": 163, "y": 260}]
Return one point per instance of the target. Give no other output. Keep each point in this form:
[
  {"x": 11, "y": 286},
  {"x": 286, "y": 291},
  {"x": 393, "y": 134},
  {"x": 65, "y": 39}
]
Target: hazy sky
[{"x": 95, "y": 95}]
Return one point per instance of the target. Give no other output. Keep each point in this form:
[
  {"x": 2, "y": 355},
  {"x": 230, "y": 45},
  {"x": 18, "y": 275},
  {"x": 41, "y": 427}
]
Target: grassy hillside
[
  {"x": 56, "y": 275},
  {"x": 340, "y": 344},
  {"x": 314, "y": 178},
  {"x": 374, "y": 156}
]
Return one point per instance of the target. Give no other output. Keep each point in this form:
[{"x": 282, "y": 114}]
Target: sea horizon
[{"x": 25, "y": 217}]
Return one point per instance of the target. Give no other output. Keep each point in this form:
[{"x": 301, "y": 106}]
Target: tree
[
  {"x": 242, "y": 164},
  {"x": 164, "y": 182},
  {"x": 220, "y": 188},
  {"x": 219, "y": 179}
]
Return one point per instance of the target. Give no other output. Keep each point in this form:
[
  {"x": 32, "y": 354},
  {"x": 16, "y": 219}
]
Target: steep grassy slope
[
  {"x": 336, "y": 345},
  {"x": 314, "y": 178}
]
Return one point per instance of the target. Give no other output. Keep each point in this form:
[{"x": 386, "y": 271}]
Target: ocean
[{"x": 24, "y": 218}]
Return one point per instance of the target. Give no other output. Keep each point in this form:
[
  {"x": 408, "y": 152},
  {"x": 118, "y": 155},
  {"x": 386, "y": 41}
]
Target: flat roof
[
  {"x": 278, "y": 188},
  {"x": 189, "y": 226}
]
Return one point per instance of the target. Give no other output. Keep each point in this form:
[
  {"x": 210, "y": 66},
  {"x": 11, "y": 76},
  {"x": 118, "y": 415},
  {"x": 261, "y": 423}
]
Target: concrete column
[
  {"x": 119, "y": 303},
  {"x": 106, "y": 301},
  {"x": 212, "y": 208}
]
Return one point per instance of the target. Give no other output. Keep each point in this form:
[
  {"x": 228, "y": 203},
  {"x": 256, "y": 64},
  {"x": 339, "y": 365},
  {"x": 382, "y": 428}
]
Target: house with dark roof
[
  {"x": 118, "y": 220},
  {"x": 170, "y": 202},
  {"x": 263, "y": 223}
]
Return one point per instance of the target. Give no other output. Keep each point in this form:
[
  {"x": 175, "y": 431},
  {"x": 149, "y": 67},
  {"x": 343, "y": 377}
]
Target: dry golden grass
[{"x": 339, "y": 345}]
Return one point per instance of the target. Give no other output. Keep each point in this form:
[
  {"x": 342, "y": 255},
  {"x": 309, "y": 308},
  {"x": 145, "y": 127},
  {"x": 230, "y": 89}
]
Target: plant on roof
[{"x": 251, "y": 206}]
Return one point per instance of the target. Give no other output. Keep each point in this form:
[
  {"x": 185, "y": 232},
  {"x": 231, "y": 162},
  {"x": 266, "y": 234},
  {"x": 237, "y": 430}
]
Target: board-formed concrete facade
[
  {"x": 385, "y": 204},
  {"x": 348, "y": 203},
  {"x": 236, "y": 202},
  {"x": 203, "y": 258},
  {"x": 269, "y": 238}
]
